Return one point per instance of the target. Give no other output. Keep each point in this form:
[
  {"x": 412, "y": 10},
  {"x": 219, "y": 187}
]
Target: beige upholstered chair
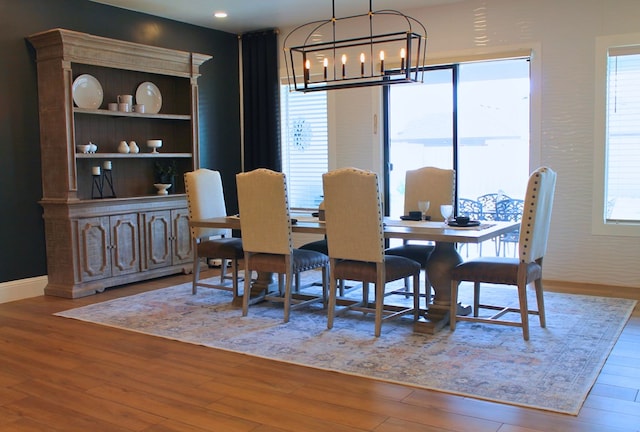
[
  {"x": 205, "y": 199},
  {"x": 521, "y": 271},
  {"x": 353, "y": 213},
  {"x": 435, "y": 185},
  {"x": 265, "y": 222}
]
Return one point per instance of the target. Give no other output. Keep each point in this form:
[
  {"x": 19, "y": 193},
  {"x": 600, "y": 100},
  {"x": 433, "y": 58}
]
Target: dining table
[{"x": 444, "y": 257}]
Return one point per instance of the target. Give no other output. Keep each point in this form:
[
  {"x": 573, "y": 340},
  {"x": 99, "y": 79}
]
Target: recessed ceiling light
[{"x": 220, "y": 14}]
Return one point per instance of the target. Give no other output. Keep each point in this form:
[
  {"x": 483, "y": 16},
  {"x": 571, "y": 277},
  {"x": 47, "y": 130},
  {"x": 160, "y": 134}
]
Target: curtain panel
[{"x": 261, "y": 100}]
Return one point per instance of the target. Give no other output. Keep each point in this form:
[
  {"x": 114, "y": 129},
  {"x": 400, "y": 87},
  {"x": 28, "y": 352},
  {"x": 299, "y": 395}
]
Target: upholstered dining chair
[
  {"x": 432, "y": 184},
  {"x": 354, "y": 226},
  {"x": 205, "y": 199},
  {"x": 265, "y": 222},
  {"x": 521, "y": 271}
]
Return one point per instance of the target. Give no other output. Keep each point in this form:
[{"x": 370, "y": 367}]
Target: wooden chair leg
[
  {"x": 223, "y": 270},
  {"x": 524, "y": 309},
  {"x": 325, "y": 290},
  {"x": 196, "y": 274},
  {"x": 416, "y": 296},
  {"x": 379, "y": 294},
  {"x": 453, "y": 308},
  {"x": 540, "y": 299},
  {"x": 234, "y": 274},
  {"x": 476, "y": 298},
  {"x": 332, "y": 296},
  {"x": 287, "y": 295},
  {"x": 247, "y": 287}
]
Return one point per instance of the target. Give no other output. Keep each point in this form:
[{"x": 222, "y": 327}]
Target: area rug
[{"x": 552, "y": 371}]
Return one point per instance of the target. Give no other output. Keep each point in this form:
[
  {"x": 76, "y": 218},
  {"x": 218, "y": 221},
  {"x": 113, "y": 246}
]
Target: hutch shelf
[{"x": 94, "y": 242}]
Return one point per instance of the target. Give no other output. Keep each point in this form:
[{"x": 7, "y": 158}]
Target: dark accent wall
[{"x": 22, "y": 247}]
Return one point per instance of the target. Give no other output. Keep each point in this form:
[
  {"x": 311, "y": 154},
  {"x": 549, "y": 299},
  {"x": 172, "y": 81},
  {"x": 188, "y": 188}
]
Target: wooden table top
[{"x": 411, "y": 230}]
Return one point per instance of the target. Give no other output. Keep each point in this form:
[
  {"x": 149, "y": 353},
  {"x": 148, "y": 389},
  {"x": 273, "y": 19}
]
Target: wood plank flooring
[{"x": 65, "y": 375}]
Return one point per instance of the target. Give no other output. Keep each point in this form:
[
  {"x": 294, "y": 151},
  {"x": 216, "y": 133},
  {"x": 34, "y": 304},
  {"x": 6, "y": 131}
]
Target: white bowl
[
  {"x": 155, "y": 144},
  {"x": 83, "y": 148}
]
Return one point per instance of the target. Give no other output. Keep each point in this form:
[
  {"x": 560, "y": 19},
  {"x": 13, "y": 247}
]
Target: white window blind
[
  {"x": 304, "y": 145},
  {"x": 622, "y": 173}
]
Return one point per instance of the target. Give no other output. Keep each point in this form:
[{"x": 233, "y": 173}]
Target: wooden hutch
[{"x": 97, "y": 242}]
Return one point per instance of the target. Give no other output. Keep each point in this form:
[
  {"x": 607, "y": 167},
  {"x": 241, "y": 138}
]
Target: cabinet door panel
[
  {"x": 157, "y": 227},
  {"x": 183, "y": 245},
  {"x": 125, "y": 244},
  {"x": 93, "y": 236}
]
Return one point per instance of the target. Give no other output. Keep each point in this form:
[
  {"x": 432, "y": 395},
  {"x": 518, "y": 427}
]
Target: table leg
[{"x": 443, "y": 258}]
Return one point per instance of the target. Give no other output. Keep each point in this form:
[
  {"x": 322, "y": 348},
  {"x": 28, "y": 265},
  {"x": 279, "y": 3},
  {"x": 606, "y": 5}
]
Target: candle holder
[
  {"x": 96, "y": 187},
  {"x": 107, "y": 180}
]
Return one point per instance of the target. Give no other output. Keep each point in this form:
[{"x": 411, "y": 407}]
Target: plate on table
[
  {"x": 410, "y": 218},
  {"x": 149, "y": 95},
  {"x": 468, "y": 224},
  {"x": 87, "y": 92}
]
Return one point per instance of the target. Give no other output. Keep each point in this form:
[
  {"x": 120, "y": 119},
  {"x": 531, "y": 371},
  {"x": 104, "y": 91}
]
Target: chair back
[
  {"x": 470, "y": 208},
  {"x": 353, "y": 215},
  {"x": 265, "y": 218},
  {"x": 488, "y": 202},
  {"x": 536, "y": 218},
  {"x": 432, "y": 184},
  {"x": 509, "y": 210},
  {"x": 205, "y": 199}
]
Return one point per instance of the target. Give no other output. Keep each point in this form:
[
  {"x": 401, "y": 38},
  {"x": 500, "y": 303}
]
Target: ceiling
[{"x": 249, "y": 15}]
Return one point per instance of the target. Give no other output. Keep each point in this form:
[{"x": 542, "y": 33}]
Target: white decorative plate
[
  {"x": 87, "y": 92},
  {"x": 149, "y": 95}
]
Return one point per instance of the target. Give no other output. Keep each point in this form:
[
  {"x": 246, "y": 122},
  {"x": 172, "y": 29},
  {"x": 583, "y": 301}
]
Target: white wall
[{"x": 562, "y": 34}]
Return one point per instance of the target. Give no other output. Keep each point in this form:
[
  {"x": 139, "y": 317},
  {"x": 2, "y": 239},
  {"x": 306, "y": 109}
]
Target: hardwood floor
[{"x": 65, "y": 375}]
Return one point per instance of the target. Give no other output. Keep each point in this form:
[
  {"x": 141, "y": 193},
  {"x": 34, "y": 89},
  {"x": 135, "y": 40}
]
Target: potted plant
[{"x": 165, "y": 172}]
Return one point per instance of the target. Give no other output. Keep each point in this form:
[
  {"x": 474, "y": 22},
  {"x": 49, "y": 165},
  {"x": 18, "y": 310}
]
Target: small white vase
[
  {"x": 133, "y": 147},
  {"x": 123, "y": 147}
]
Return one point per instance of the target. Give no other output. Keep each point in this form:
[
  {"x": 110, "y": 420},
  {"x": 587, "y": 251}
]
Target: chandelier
[{"x": 329, "y": 54}]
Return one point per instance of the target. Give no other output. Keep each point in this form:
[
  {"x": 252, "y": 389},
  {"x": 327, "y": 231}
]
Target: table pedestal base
[
  {"x": 443, "y": 258},
  {"x": 259, "y": 288},
  {"x": 436, "y": 318}
]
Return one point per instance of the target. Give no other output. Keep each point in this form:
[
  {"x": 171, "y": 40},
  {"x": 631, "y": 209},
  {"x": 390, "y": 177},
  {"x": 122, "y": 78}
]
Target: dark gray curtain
[{"x": 261, "y": 99}]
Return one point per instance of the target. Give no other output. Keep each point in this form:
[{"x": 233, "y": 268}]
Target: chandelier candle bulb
[
  {"x": 402, "y": 56},
  {"x": 325, "y": 63},
  {"x": 307, "y": 70},
  {"x": 362, "y": 64},
  {"x": 344, "y": 65},
  {"x": 382, "y": 62}
]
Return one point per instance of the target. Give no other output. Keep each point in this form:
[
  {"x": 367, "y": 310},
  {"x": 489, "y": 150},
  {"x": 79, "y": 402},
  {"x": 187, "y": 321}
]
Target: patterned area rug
[{"x": 553, "y": 371}]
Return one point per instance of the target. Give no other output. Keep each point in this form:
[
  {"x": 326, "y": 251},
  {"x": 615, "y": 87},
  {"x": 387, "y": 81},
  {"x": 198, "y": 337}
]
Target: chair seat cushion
[
  {"x": 226, "y": 248},
  {"x": 498, "y": 270},
  {"x": 318, "y": 246},
  {"x": 302, "y": 260},
  {"x": 396, "y": 267},
  {"x": 416, "y": 252}
]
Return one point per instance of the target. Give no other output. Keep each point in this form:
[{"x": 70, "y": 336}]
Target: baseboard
[
  {"x": 22, "y": 289},
  {"x": 600, "y": 290}
]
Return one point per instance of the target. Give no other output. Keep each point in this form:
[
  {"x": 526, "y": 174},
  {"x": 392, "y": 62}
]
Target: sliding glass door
[{"x": 473, "y": 117}]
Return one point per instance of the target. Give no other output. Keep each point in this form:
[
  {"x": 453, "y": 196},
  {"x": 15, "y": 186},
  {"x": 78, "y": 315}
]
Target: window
[
  {"x": 616, "y": 208},
  {"x": 304, "y": 145}
]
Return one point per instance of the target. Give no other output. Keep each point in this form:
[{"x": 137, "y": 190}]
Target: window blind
[
  {"x": 304, "y": 145},
  {"x": 622, "y": 178}
]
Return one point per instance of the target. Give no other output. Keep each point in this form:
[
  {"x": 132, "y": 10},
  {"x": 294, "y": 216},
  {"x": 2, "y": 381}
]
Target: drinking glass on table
[
  {"x": 446, "y": 210},
  {"x": 423, "y": 206}
]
